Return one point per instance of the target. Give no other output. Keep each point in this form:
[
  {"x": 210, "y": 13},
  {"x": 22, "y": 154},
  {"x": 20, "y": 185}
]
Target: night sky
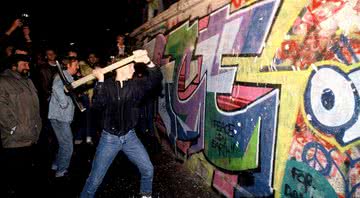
[{"x": 88, "y": 25}]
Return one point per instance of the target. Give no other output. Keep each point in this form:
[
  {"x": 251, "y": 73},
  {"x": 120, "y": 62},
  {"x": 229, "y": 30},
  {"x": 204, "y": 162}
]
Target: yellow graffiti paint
[
  {"x": 330, "y": 140},
  {"x": 199, "y": 164},
  {"x": 292, "y": 82}
]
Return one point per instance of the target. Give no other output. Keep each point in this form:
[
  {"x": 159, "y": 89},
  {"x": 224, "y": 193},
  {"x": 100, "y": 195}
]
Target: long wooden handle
[
  {"x": 82, "y": 81},
  {"x": 117, "y": 65},
  {"x": 71, "y": 94}
]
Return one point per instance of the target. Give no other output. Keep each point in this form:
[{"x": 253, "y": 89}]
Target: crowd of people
[{"x": 37, "y": 113}]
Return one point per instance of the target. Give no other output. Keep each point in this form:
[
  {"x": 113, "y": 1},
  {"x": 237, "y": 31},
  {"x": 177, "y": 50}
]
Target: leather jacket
[{"x": 121, "y": 104}]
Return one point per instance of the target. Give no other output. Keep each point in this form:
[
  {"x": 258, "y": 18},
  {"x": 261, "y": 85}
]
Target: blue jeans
[
  {"x": 108, "y": 148},
  {"x": 65, "y": 139}
]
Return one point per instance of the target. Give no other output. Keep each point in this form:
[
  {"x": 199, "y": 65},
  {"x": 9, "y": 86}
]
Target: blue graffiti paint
[
  {"x": 337, "y": 49},
  {"x": 328, "y": 99},
  {"x": 266, "y": 108},
  {"x": 349, "y": 189},
  {"x": 258, "y": 29},
  {"x": 173, "y": 134},
  {"x": 312, "y": 159},
  {"x": 346, "y": 42}
]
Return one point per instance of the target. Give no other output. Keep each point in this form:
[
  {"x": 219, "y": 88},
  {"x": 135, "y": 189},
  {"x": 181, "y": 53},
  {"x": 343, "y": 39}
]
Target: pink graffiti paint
[
  {"x": 323, "y": 9},
  {"x": 203, "y": 23},
  {"x": 303, "y": 136},
  {"x": 225, "y": 183},
  {"x": 183, "y": 146},
  {"x": 241, "y": 96},
  {"x": 357, "y": 7},
  {"x": 183, "y": 90},
  {"x": 313, "y": 36}
]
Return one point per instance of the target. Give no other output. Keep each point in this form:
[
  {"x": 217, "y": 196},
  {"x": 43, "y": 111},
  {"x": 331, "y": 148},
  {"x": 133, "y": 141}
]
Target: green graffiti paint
[
  {"x": 182, "y": 38},
  {"x": 300, "y": 180},
  {"x": 222, "y": 145}
]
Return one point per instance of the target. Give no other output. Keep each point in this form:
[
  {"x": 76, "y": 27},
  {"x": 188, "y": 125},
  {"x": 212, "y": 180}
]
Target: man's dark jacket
[
  {"x": 19, "y": 108},
  {"x": 121, "y": 105}
]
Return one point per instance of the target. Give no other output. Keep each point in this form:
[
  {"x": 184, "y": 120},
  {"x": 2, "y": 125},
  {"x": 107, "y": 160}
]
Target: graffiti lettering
[
  {"x": 292, "y": 193},
  {"x": 214, "y": 52},
  {"x": 189, "y": 125},
  {"x": 228, "y": 129},
  {"x": 302, "y": 177},
  {"x": 302, "y": 181},
  {"x": 219, "y": 143}
]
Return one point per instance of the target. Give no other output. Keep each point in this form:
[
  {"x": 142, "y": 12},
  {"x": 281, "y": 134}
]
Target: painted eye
[{"x": 330, "y": 100}]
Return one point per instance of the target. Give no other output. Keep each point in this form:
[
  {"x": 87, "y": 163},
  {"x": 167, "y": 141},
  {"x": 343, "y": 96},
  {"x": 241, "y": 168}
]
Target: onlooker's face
[
  {"x": 26, "y": 30},
  {"x": 50, "y": 55},
  {"x": 9, "y": 50},
  {"x": 92, "y": 59},
  {"x": 120, "y": 40},
  {"x": 73, "y": 67},
  {"x": 72, "y": 54},
  {"x": 23, "y": 67}
]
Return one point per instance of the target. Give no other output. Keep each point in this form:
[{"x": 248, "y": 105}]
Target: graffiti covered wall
[{"x": 261, "y": 97}]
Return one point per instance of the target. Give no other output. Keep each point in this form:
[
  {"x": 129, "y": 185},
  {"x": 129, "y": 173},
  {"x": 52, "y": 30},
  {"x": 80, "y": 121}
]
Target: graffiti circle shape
[
  {"x": 317, "y": 157},
  {"x": 330, "y": 100}
]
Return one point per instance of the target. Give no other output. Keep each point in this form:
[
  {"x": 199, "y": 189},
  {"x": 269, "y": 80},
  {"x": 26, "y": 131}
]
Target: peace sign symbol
[{"x": 313, "y": 154}]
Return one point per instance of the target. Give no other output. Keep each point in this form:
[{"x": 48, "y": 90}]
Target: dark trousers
[
  {"x": 86, "y": 121},
  {"x": 16, "y": 172}
]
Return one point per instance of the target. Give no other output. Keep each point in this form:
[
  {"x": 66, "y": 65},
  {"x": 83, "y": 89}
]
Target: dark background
[{"x": 90, "y": 25}]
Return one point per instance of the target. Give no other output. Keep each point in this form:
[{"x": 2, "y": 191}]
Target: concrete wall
[{"x": 262, "y": 98}]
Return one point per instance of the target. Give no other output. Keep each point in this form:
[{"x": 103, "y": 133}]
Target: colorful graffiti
[
  {"x": 242, "y": 3},
  {"x": 325, "y": 30},
  {"x": 340, "y": 169},
  {"x": 262, "y": 97},
  {"x": 332, "y": 103},
  {"x": 303, "y": 181}
]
